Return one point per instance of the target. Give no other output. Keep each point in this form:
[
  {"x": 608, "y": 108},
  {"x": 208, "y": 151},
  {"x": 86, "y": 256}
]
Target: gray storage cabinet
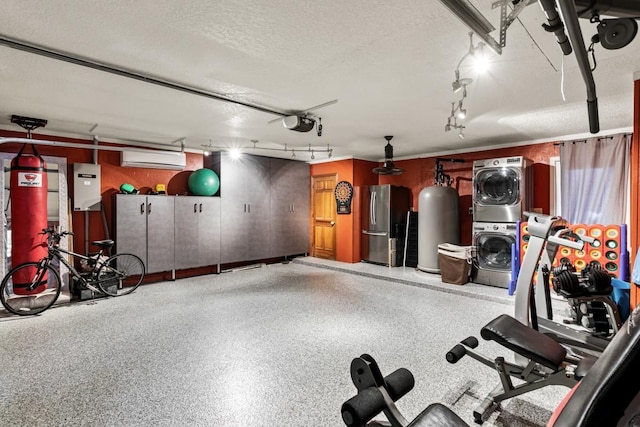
[
  {"x": 244, "y": 190},
  {"x": 265, "y": 208},
  {"x": 145, "y": 227},
  {"x": 197, "y": 231},
  {"x": 289, "y": 207}
]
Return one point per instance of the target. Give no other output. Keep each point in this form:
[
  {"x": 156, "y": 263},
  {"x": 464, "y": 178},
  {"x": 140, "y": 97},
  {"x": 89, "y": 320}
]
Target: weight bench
[
  {"x": 546, "y": 361},
  {"x": 607, "y": 394}
]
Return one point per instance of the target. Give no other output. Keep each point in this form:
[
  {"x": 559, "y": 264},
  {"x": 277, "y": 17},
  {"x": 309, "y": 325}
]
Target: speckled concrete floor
[{"x": 260, "y": 347}]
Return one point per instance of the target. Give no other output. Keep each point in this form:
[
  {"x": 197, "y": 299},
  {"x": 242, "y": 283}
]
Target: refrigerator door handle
[
  {"x": 370, "y": 208},
  {"x": 374, "y": 196},
  {"x": 374, "y": 233}
]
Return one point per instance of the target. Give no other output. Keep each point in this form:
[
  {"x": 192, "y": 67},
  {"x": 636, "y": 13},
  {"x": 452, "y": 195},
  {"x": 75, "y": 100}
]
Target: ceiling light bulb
[
  {"x": 456, "y": 86},
  {"x": 461, "y": 135},
  {"x": 481, "y": 64},
  {"x": 207, "y": 153},
  {"x": 235, "y": 153},
  {"x": 462, "y": 113}
]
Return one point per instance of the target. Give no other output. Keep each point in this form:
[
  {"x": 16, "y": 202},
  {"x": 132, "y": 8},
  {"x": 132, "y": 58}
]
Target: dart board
[{"x": 344, "y": 194}]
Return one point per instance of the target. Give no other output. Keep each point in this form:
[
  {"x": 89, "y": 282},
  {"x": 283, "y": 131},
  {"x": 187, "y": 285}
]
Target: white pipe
[{"x": 76, "y": 145}]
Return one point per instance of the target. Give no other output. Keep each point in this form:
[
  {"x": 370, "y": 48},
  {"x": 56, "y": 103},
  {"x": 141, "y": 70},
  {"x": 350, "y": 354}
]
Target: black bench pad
[
  {"x": 437, "y": 415},
  {"x": 524, "y": 340}
]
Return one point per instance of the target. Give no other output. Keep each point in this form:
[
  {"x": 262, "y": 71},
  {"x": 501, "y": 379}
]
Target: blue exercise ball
[{"x": 204, "y": 182}]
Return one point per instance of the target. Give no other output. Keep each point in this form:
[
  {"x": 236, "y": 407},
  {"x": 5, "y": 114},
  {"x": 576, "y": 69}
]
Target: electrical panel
[{"x": 86, "y": 187}]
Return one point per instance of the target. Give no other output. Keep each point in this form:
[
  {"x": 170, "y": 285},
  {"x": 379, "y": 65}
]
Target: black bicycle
[{"x": 32, "y": 287}]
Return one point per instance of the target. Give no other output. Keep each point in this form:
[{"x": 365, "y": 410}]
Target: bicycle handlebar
[{"x": 53, "y": 233}]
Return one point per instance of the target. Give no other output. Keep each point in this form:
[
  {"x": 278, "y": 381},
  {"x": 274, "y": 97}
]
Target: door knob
[{"x": 333, "y": 223}]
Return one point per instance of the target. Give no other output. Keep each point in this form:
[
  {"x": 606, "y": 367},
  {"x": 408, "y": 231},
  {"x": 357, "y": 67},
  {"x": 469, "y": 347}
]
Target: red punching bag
[{"x": 28, "y": 187}]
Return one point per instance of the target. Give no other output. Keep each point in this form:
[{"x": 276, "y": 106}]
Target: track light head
[{"x": 460, "y": 134}]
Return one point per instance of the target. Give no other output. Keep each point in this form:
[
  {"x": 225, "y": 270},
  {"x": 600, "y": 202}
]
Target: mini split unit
[
  {"x": 298, "y": 123},
  {"x": 171, "y": 160}
]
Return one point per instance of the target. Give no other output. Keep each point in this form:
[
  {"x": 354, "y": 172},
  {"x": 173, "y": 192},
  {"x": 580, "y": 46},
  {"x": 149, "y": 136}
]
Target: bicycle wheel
[
  {"x": 16, "y": 296},
  {"x": 120, "y": 274}
]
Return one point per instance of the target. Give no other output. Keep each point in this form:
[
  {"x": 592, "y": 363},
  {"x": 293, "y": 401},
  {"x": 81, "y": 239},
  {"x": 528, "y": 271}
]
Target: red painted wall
[
  {"x": 420, "y": 173},
  {"x": 112, "y": 176},
  {"x": 357, "y": 172}
]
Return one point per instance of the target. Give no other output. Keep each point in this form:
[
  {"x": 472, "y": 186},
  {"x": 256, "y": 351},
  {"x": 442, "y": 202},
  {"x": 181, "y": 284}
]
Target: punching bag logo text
[{"x": 29, "y": 179}]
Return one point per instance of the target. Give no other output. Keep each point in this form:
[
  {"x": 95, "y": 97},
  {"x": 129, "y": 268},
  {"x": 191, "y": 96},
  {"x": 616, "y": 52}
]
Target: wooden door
[{"x": 324, "y": 216}]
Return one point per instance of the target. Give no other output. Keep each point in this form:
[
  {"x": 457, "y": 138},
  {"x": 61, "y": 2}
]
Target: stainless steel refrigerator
[{"x": 383, "y": 217}]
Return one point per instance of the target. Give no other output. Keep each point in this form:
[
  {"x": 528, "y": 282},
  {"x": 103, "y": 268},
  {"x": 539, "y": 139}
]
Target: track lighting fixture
[
  {"x": 461, "y": 112},
  {"x": 237, "y": 151},
  {"x": 452, "y": 120},
  {"x": 457, "y": 112},
  {"x": 453, "y": 125},
  {"x": 476, "y": 52},
  {"x": 460, "y": 84}
]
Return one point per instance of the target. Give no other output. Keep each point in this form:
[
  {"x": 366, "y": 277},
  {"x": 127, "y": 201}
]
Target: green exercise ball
[{"x": 204, "y": 182}]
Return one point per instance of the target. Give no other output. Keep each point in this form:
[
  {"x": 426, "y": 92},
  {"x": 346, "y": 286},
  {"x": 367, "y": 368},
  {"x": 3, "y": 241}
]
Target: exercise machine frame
[{"x": 547, "y": 234}]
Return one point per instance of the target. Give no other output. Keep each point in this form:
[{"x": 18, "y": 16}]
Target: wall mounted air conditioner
[{"x": 153, "y": 160}]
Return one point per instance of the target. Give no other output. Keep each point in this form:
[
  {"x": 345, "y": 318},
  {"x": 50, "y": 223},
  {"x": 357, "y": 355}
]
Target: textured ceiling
[{"x": 389, "y": 64}]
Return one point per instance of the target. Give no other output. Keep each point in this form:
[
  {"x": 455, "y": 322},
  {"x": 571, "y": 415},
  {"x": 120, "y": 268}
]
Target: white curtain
[{"x": 594, "y": 179}]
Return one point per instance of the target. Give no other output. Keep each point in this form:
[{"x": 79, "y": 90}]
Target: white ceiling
[{"x": 389, "y": 64}]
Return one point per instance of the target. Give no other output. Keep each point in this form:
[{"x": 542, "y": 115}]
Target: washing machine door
[
  {"x": 497, "y": 194},
  {"x": 497, "y": 187},
  {"x": 493, "y": 251}
]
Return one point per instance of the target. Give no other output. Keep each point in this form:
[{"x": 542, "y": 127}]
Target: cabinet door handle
[
  {"x": 195, "y": 208},
  {"x": 293, "y": 207},
  {"x": 141, "y": 208},
  {"x": 249, "y": 207},
  {"x": 149, "y": 208},
  {"x": 245, "y": 208},
  {"x": 200, "y": 207}
]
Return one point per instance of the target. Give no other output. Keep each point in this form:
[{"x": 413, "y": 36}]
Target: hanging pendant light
[{"x": 388, "y": 168}]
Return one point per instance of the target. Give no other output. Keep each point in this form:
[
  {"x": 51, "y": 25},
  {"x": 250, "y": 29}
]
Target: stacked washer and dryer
[{"x": 502, "y": 191}]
